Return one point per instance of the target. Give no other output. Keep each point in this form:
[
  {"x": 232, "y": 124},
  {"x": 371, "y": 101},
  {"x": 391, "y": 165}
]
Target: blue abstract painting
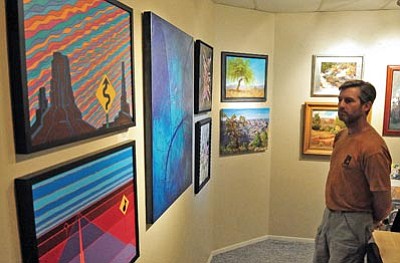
[{"x": 169, "y": 62}]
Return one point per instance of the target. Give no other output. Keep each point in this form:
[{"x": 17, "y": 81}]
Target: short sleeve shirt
[{"x": 360, "y": 165}]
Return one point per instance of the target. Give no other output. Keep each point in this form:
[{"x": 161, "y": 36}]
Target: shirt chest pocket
[{"x": 350, "y": 163}]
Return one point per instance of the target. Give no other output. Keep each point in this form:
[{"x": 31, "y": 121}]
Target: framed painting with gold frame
[{"x": 321, "y": 124}]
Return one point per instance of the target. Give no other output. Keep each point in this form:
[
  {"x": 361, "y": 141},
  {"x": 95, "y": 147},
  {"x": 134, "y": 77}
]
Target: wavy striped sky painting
[
  {"x": 67, "y": 194},
  {"x": 95, "y": 36}
]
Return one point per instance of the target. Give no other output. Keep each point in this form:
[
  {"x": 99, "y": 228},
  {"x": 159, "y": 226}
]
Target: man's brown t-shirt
[{"x": 360, "y": 165}]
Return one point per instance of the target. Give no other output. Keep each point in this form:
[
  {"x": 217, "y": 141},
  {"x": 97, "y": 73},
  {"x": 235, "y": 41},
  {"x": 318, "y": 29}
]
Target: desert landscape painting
[{"x": 244, "y": 77}]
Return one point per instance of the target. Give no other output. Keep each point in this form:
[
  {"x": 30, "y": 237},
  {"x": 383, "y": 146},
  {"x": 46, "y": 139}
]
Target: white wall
[
  {"x": 278, "y": 192},
  {"x": 298, "y": 181},
  {"x": 184, "y": 232},
  {"x": 241, "y": 183},
  {"x": 232, "y": 208}
]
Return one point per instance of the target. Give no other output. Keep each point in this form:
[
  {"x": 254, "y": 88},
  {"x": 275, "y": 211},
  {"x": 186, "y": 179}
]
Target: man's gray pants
[{"x": 343, "y": 237}]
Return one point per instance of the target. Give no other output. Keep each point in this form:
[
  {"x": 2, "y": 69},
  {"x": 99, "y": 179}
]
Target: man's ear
[{"x": 367, "y": 106}]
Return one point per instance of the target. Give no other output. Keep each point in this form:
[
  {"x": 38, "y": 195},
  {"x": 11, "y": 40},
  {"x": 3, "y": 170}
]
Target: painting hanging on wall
[
  {"x": 395, "y": 193},
  {"x": 395, "y": 183},
  {"x": 321, "y": 124},
  {"x": 168, "y": 84},
  {"x": 329, "y": 72},
  {"x": 244, "y": 77},
  {"x": 243, "y": 131},
  {"x": 84, "y": 211},
  {"x": 391, "y": 120},
  {"x": 203, "y": 75},
  {"x": 71, "y": 70},
  {"x": 202, "y": 154}
]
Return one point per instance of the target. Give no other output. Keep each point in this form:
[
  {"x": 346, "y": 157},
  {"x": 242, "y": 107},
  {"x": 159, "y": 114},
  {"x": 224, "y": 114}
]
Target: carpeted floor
[{"x": 274, "y": 251}]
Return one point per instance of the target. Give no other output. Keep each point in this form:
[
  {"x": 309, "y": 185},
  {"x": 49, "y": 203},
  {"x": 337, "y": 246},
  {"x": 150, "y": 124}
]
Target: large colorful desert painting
[{"x": 79, "y": 70}]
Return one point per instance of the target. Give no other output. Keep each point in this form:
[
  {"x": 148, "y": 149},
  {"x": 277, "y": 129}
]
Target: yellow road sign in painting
[
  {"x": 105, "y": 93},
  {"x": 123, "y": 206}
]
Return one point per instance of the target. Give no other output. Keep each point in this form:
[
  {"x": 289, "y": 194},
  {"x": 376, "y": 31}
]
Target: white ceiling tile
[
  {"x": 249, "y": 4},
  {"x": 346, "y": 5},
  {"x": 289, "y": 6}
]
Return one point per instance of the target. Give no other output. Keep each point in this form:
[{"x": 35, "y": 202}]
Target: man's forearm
[{"x": 382, "y": 204}]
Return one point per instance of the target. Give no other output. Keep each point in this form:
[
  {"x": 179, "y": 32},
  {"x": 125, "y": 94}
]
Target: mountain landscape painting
[{"x": 244, "y": 131}]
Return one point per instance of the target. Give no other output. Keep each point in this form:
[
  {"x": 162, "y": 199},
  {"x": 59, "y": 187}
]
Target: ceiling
[{"x": 295, "y": 6}]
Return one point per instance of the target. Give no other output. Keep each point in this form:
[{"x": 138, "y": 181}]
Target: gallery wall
[
  {"x": 232, "y": 208},
  {"x": 297, "y": 180},
  {"x": 184, "y": 232},
  {"x": 241, "y": 183},
  {"x": 278, "y": 192}
]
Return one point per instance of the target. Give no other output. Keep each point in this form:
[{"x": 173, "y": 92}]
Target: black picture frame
[
  {"x": 68, "y": 81},
  {"x": 202, "y": 153},
  {"x": 86, "y": 208},
  {"x": 238, "y": 68},
  {"x": 203, "y": 76}
]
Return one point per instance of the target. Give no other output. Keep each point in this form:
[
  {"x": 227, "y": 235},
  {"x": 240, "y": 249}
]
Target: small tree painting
[
  {"x": 239, "y": 71},
  {"x": 244, "y": 77}
]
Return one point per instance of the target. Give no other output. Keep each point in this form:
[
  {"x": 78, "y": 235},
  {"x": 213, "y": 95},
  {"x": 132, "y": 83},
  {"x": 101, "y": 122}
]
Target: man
[{"x": 357, "y": 191}]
